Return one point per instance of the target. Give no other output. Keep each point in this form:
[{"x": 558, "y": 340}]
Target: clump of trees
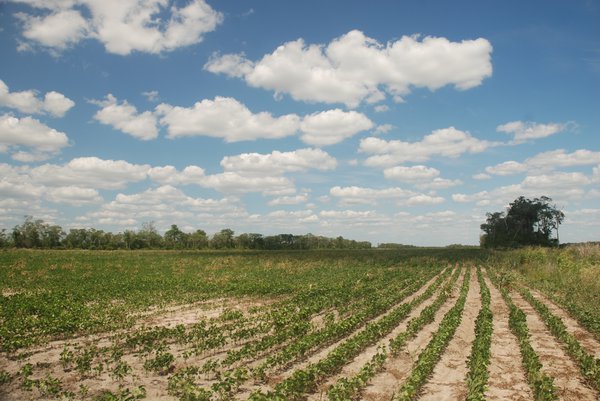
[
  {"x": 34, "y": 233},
  {"x": 526, "y": 222}
]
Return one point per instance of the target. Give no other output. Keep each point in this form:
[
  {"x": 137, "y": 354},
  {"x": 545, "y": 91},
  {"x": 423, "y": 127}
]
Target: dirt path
[
  {"x": 556, "y": 363},
  {"x": 507, "y": 380},
  {"x": 397, "y": 369},
  {"x": 448, "y": 381},
  {"x": 585, "y": 338}
]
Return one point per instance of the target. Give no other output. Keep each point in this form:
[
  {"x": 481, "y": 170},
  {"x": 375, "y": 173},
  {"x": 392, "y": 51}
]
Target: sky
[{"x": 385, "y": 121}]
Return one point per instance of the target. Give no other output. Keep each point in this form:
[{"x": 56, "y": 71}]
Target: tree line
[{"x": 35, "y": 233}]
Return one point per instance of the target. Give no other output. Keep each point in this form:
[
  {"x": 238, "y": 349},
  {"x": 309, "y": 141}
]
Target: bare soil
[
  {"x": 556, "y": 363},
  {"x": 507, "y": 380},
  {"x": 448, "y": 381}
]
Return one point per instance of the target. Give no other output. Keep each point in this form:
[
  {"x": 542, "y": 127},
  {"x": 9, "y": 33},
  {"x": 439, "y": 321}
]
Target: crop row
[
  {"x": 589, "y": 366},
  {"x": 541, "y": 384},
  {"x": 348, "y": 388},
  {"x": 305, "y": 380},
  {"x": 479, "y": 359},
  {"x": 433, "y": 351}
]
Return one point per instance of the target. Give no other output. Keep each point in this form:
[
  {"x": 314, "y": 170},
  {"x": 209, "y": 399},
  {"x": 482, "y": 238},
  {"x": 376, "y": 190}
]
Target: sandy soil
[
  {"x": 587, "y": 340},
  {"x": 357, "y": 363},
  {"x": 507, "y": 380},
  {"x": 397, "y": 368},
  {"x": 448, "y": 381},
  {"x": 556, "y": 363}
]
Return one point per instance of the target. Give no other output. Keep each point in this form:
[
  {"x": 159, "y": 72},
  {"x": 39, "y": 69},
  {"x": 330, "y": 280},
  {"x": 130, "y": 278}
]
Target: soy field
[{"x": 411, "y": 324}]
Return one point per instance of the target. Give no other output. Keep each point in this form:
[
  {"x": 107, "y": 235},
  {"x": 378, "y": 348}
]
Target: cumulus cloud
[
  {"x": 57, "y": 31},
  {"x": 249, "y": 172},
  {"x": 355, "y": 68},
  {"x": 546, "y": 161},
  {"x": 527, "y": 131},
  {"x": 279, "y": 162},
  {"x": 411, "y": 174},
  {"x": 423, "y": 199},
  {"x": 73, "y": 195},
  {"x": 368, "y": 196},
  {"x": 53, "y": 103},
  {"x": 234, "y": 182},
  {"x": 122, "y": 26},
  {"x": 90, "y": 172},
  {"x": 125, "y": 117},
  {"x": 169, "y": 175},
  {"x": 558, "y": 185},
  {"x": 289, "y": 200},
  {"x": 448, "y": 142},
  {"x": 333, "y": 126},
  {"x": 231, "y": 120},
  {"x": 225, "y": 118},
  {"x": 42, "y": 141},
  {"x": 166, "y": 205}
]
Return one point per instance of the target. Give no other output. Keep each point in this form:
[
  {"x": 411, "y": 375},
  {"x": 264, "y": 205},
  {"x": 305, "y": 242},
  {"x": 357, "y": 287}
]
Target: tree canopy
[{"x": 526, "y": 222}]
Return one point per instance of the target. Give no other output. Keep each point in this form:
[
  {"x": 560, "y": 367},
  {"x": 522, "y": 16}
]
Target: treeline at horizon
[{"x": 35, "y": 233}]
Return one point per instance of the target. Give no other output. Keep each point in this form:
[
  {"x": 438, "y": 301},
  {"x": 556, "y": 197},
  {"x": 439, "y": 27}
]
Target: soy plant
[
  {"x": 162, "y": 362},
  {"x": 541, "y": 384},
  {"x": 479, "y": 359},
  {"x": 433, "y": 351}
]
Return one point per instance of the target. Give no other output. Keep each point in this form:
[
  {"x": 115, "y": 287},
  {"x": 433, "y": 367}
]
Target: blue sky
[{"x": 387, "y": 121}]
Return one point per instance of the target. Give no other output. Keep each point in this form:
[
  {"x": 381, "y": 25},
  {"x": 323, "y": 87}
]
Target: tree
[
  {"x": 175, "y": 238},
  {"x": 223, "y": 239},
  {"x": 526, "y": 222}
]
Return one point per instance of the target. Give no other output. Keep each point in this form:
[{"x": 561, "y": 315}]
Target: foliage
[
  {"x": 37, "y": 234},
  {"x": 541, "y": 384},
  {"x": 526, "y": 222},
  {"x": 479, "y": 359},
  {"x": 433, "y": 351}
]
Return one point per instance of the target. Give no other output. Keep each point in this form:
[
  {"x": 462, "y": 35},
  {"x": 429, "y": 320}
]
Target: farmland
[{"x": 409, "y": 324}]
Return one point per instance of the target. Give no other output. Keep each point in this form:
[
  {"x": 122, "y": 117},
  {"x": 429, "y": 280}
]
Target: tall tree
[{"x": 525, "y": 222}]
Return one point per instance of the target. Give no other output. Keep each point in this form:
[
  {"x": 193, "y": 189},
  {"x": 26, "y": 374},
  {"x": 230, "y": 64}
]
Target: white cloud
[
  {"x": 151, "y": 96},
  {"x": 448, "y": 142},
  {"x": 481, "y": 176},
  {"x": 58, "y": 30},
  {"x": 368, "y": 196},
  {"x": 73, "y": 195},
  {"x": 558, "y": 186},
  {"x": 381, "y": 108},
  {"x": 28, "y": 132},
  {"x": 166, "y": 205},
  {"x": 383, "y": 128},
  {"x": 355, "y": 68},
  {"x": 90, "y": 172},
  {"x": 438, "y": 183},
  {"x": 279, "y": 162},
  {"x": 225, "y": 118},
  {"x": 125, "y": 117},
  {"x": 333, "y": 126},
  {"x": 169, "y": 175},
  {"x": 231, "y": 120},
  {"x": 423, "y": 199},
  {"x": 507, "y": 168},
  {"x": 122, "y": 26},
  {"x": 53, "y": 103},
  {"x": 234, "y": 182},
  {"x": 289, "y": 200},
  {"x": 547, "y": 161},
  {"x": 526, "y": 131},
  {"x": 411, "y": 174}
]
